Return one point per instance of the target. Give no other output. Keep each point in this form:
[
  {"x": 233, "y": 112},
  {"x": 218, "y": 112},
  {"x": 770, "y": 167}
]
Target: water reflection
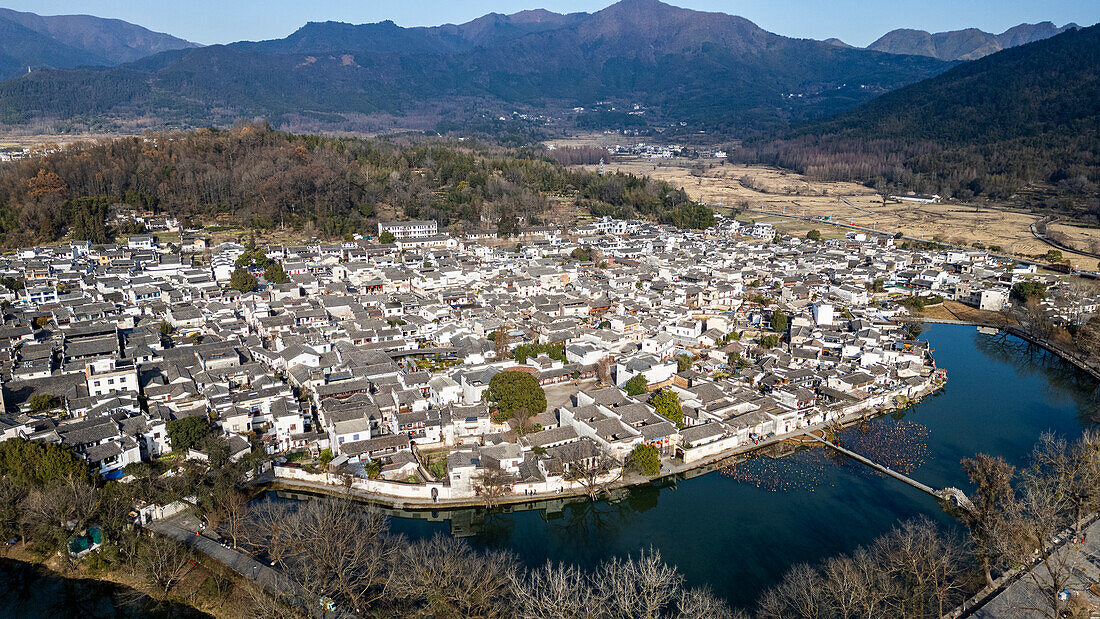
[{"x": 739, "y": 536}]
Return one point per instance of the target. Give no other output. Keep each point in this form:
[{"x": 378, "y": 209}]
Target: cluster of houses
[{"x": 381, "y": 354}]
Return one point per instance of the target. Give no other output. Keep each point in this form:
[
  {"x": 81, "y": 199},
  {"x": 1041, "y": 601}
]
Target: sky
[{"x": 857, "y": 22}]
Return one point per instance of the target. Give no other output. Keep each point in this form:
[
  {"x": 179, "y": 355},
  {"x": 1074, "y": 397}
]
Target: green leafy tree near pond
[
  {"x": 511, "y": 390},
  {"x": 646, "y": 459},
  {"x": 1029, "y": 289},
  {"x": 187, "y": 432},
  {"x": 668, "y": 406}
]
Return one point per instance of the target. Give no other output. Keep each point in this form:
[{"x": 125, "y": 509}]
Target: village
[{"x": 415, "y": 367}]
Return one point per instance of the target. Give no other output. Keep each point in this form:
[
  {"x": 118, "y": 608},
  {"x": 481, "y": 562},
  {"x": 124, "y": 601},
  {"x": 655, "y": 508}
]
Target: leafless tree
[
  {"x": 925, "y": 565},
  {"x": 1049, "y": 498},
  {"x": 492, "y": 483},
  {"x": 702, "y": 604},
  {"x": 501, "y": 343},
  {"x": 266, "y": 606},
  {"x": 641, "y": 587},
  {"x": 338, "y": 549},
  {"x": 587, "y": 465},
  {"x": 231, "y": 511},
  {"x": 523, "y": 420},
  {"x": 163, "y": 561},
  {"x": 444, "y": 577},
  {"x": 1075, "y": 468},
  {"x": 801, "y": 593},
  {"x": 992, "y": 477},
  {"x": 554, "y": 591},
  {"x": 603, "y": 371},
  {"x": 268, "y": 528}
]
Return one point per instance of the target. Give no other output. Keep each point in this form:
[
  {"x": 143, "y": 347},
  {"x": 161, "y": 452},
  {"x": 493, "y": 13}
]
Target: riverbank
[
  {"x": 33, "y": 587},
  {"x": 431, "y": 496},
  {"x": 804, "y": 507},
  {"x": 1088, "y": 365}
]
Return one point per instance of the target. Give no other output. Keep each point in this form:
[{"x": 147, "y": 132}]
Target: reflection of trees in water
[
  {"x": 1062, "y": 377},
  {"x": 493, "y": 529}
]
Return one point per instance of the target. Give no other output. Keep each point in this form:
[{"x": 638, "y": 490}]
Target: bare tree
[
  {"x": 523, "y": 420},
  {"x": 603, "y": 371},
  {"x": 266, "y": 606},
  {"x": 801, "y": 593},
  {"x": 338, "y": 549},
  {"x": 993, "y": 478},
  {"x": 586, "y": 464},
  {"x": 492, "y": 483},
  {"x": 702, "y": 604},
  {"x": 163, "y": 561},
  {"x": 554, "y": 591},
  {"x": 1076, "y": 468},
  {"x": 642, "y": 587},
  {"x": 501, "y": 343},
  {"x": 926, "y": 567},
  {"x": 1033, "y": 524},
  {"x": 444, "y": 577}
]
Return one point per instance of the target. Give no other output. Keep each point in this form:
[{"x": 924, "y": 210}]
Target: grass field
[{"x": 782, "y": 192}]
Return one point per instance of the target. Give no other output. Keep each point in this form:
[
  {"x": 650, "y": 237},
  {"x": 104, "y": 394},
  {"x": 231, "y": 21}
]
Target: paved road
[
  {"x": 1022, "y": 593},
  {"x": 183, "y": 526}
]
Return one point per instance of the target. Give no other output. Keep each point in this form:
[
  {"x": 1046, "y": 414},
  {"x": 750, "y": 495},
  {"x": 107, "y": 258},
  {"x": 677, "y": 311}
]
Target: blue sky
[{"x": 855, "y": 21}]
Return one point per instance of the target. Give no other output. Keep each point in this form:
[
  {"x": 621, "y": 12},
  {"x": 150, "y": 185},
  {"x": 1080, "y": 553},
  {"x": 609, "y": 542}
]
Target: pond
[{"x": 738, "y": 533}]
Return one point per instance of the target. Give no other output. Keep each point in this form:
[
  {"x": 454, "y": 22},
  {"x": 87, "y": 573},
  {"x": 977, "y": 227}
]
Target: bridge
[{"x": 955, "y": 496}]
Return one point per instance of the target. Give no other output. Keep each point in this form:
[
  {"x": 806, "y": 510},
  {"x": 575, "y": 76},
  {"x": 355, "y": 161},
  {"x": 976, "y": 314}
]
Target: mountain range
[
  {"x": 968, "y": 44},
  {"x": 29, "y": 41},
  {"x": 711, "y": 71},
  {"x": 1012, "y": 121}
]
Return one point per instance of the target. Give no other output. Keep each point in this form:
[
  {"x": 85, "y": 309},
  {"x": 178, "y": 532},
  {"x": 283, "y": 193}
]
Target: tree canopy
[
  {"x": 637, "y": 385},
  {"x": 243, "y": 281},
  {"x": 1029, "y": 289},
  {"x": 668, "y": 406},
  {"x": 511, "y": 390},
  {"x": 646, "y": 459},
  {"x": 36, "y": 463},
  {"x": 187, "y": 432}
]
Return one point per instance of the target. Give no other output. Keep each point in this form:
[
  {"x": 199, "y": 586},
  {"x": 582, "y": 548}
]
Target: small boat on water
[{"x": 988, "y": 330}]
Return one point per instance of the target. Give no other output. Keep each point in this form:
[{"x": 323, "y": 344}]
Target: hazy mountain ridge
[
  {"x": 65, "y": 41},
  {"x": 967, "y": 44},
  {"x": 1022, "y": 117},
  {"x": 712, "y": 70}
]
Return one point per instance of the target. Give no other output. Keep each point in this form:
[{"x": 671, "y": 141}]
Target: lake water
[{"x": 739, "y": 534}]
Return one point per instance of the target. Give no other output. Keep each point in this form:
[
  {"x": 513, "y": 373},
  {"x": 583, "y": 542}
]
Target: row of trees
[
  {"x": 918, "y": 570},
  {"x": 345, "y": 552}
]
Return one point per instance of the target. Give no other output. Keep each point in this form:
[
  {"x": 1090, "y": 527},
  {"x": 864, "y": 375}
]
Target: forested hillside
[
  {"x": 267, "y": 179},
  {"x": 1023, "y": 123},
  {"x": 711, "y": 71}
]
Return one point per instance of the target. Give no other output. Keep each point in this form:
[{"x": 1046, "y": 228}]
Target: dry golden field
[{"x": 783, "y": 192}]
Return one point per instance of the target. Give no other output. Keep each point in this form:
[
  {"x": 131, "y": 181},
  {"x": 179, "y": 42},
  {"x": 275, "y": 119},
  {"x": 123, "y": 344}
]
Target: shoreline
[
  {"x": 703, "y": 466},
  {"x": 685, "y": 471}
]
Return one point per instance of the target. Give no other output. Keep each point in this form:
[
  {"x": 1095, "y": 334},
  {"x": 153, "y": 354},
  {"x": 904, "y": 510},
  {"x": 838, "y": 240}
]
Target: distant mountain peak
[{"x": 965, "y": 44}]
